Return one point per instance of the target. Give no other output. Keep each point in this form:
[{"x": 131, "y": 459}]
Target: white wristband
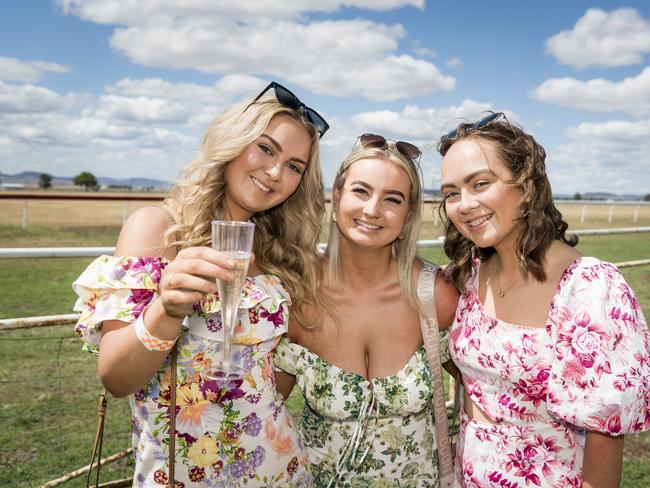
[{"x": 148, "y": 340}]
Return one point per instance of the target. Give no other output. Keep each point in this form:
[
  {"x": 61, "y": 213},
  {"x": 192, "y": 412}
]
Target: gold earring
[
  {"x": 401, "y": 234},
  {"x": 334, "y": 215}
]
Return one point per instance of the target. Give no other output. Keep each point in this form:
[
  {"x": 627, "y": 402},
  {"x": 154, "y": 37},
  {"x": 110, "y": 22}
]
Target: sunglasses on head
[
  {"x": 289, "y": 100},
  {"x": 476, "y": 125},
  {"x": 406, "y": 149}
]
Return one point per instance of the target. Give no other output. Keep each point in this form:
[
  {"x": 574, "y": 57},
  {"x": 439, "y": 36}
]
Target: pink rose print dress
[
  {"x": 229, "y": 434},
  {"x": 588, "y": 369}
]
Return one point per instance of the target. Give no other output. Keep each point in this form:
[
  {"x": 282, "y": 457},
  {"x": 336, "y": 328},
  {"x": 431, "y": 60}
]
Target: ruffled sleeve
[
  {"x": 600, "y": 375},
  {"x": 114, "y": 288},
  {"x": 286, "y": 357}
]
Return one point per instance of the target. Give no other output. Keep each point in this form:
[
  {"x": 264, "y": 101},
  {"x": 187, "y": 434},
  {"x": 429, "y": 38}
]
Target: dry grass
[{"x": 78, "y": 213}]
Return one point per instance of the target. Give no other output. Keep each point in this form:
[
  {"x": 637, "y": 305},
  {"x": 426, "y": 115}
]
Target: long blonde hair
[
  {"x": 403, "y": 250},
  {"x": 286, "y": 235}
]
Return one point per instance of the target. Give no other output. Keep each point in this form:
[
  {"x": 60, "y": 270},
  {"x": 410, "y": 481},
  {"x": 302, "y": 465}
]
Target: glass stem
[{"x": 230, "y": 317}]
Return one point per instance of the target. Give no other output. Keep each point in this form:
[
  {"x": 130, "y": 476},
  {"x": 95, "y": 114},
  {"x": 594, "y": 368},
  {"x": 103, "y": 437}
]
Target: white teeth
[
  {"x": 367, "y": 225},
  {"x": 477, "y": 222},
  {"x": 260, "y": 185}
]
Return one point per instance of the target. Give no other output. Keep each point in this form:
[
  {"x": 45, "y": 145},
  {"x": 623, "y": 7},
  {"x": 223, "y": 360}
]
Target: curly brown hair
[{"x": 540, "y": 222}]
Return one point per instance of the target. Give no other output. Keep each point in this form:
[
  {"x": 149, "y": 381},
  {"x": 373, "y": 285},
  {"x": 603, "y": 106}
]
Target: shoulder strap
[
  {"x": 167, "y": 211},
  {"x": 99, "y": 437},
  {"x": 431, "y": 337},
  {"x": 172, "y": 418},
  {"x": 173, "y": 220}
]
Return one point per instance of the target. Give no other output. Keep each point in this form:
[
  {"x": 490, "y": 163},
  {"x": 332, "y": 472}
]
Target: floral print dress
[
  {"x": 229, "y": 434},
  {"x": 366, "y": 433},
  {"x": 543, "y": 388}
]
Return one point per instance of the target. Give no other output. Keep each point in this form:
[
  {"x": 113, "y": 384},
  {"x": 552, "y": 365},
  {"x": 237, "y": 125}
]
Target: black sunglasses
[
  {"x": 476, "y": 125},
  {"x": 289, "y": 100},
  {"x": 411, "y": 151}
]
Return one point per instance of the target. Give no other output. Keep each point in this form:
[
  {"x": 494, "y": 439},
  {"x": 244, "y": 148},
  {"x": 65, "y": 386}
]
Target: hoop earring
[{"x": 401, "y": 234}]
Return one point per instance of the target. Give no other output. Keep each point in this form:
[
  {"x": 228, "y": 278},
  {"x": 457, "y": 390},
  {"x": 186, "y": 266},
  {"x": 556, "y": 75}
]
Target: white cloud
[
  {"x": 454, "y": 63},
  {"x": 226, "y": 90},
  {"x": 617, "y": 38},
  {"x": 419, "y": 123},
  {"x": 137, "y": 13},
  {"x": 12, "y": 69},
  {"x": 143, "y": 109},
  {"x": 338, "y": 57},
  {"x": 154, "y": 100},
  {"x": 30, "y": 99},
  {"x": 631, "y": 95},
  {"x": 610, "y": 156},
  {"x": 420, "y": 126},
  {"x": 423, "y": 51},
  {"x": 63, "y": 144}
]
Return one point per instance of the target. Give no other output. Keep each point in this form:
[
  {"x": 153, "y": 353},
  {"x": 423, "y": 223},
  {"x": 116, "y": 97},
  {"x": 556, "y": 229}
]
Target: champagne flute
[{"x": 235, "y": 240}]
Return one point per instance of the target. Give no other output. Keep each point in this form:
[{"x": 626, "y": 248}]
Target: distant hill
[
  {"x": 602, "y": 196},
  {"x": 30, "y": 178}
]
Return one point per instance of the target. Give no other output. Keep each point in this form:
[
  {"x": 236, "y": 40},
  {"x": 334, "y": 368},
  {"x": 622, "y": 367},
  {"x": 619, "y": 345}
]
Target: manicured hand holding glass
[{"x": 190, "y": 276}]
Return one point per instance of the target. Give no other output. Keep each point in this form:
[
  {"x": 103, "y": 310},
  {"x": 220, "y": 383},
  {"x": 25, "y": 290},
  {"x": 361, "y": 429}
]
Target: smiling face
[
  {"x": 269, "y": 170},
  {"x": 479, "y": 201},
  {"x": 373, "y": 204}
]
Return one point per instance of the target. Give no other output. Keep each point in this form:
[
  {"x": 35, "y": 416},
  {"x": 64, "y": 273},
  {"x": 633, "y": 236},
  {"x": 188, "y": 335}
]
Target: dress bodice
[
  {"x": 365, "y": 430},
  {"x": 339, "y": 394},
  {"x": 544, "y": 388},
  {"x": 236, "y": 433}
]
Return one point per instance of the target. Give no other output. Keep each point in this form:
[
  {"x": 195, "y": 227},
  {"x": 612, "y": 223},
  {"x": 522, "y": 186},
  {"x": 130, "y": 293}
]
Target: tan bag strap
[
  {"x": 99, "y": 437},
  {"x": 101, "y": 417},
  {"x": 431, "y": 337},
  {"x": 172, "y": 418}
]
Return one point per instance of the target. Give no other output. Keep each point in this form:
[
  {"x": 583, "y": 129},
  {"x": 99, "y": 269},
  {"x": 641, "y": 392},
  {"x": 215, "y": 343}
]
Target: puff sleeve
[
  {"x": 600, "y": 375},
  {"x": 114, "y": 288},
  {"x": 286, "y": 357}
]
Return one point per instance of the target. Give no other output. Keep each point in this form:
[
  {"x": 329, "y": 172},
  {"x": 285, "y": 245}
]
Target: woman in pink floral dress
[
  {"x": 553, "y": 346},
  {"x": 259, "y": 161}
]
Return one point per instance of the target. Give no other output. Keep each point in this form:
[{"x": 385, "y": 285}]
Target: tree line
[{"x": 85, "y": 179}]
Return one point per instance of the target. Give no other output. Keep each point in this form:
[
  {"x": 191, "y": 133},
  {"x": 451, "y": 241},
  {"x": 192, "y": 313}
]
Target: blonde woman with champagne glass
[{"x": 259, "y": 162}]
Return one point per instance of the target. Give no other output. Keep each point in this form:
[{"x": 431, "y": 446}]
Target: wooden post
[
  {"x": 583, "y": 214},
  {"x": 125, "y": 211},
  {"x": 611, "y": 214},
  {"x": 25, "y": 213},
  {"x": 78, "y": 472},
  {"x": 636, "y": 213}
]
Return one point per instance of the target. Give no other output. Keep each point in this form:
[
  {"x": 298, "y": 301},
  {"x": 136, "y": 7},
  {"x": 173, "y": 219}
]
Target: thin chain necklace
[{"x": 502, "y": 291}]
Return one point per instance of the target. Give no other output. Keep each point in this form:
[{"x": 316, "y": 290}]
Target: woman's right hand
[{"x": 190, "y": 276}]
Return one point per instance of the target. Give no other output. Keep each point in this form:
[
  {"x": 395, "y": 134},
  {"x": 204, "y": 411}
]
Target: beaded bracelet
[{"x": 148, "y": 340}]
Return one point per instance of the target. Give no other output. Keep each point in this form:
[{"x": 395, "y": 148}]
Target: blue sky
[{"x": 125, "y": 88}]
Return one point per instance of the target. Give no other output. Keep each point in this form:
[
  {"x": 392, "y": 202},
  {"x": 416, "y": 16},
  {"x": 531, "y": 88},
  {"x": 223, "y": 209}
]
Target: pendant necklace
[{"x": 502, "y": 291}]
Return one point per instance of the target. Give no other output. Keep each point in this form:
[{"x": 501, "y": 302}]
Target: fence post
[
  {"x": 25, "y": 213},
  {"x": 636, "y": 213},
  {"x": 611, "y": 213},
  {"x": 125, "y": 211},
  {"x": 583, "y": 214}
]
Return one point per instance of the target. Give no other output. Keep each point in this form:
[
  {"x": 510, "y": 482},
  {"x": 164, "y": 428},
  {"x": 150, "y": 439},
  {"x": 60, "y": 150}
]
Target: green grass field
[{"x": 48, "y": 387}]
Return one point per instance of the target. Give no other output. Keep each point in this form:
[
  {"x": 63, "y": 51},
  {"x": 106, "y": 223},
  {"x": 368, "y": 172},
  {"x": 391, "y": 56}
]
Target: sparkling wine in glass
[{"x": 235, "y": 240}]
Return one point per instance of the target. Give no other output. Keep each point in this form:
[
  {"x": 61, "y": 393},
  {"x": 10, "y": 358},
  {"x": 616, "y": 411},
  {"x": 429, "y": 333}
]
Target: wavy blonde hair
[
  {"x": 286, "y": 235},
  {"x": 403, "y": 250}
]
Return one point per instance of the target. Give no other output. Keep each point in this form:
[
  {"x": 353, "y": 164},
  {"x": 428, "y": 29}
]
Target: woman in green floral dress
[
  {"x": 259, "y": 162},
  {"x": 368, "y": 417}
]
